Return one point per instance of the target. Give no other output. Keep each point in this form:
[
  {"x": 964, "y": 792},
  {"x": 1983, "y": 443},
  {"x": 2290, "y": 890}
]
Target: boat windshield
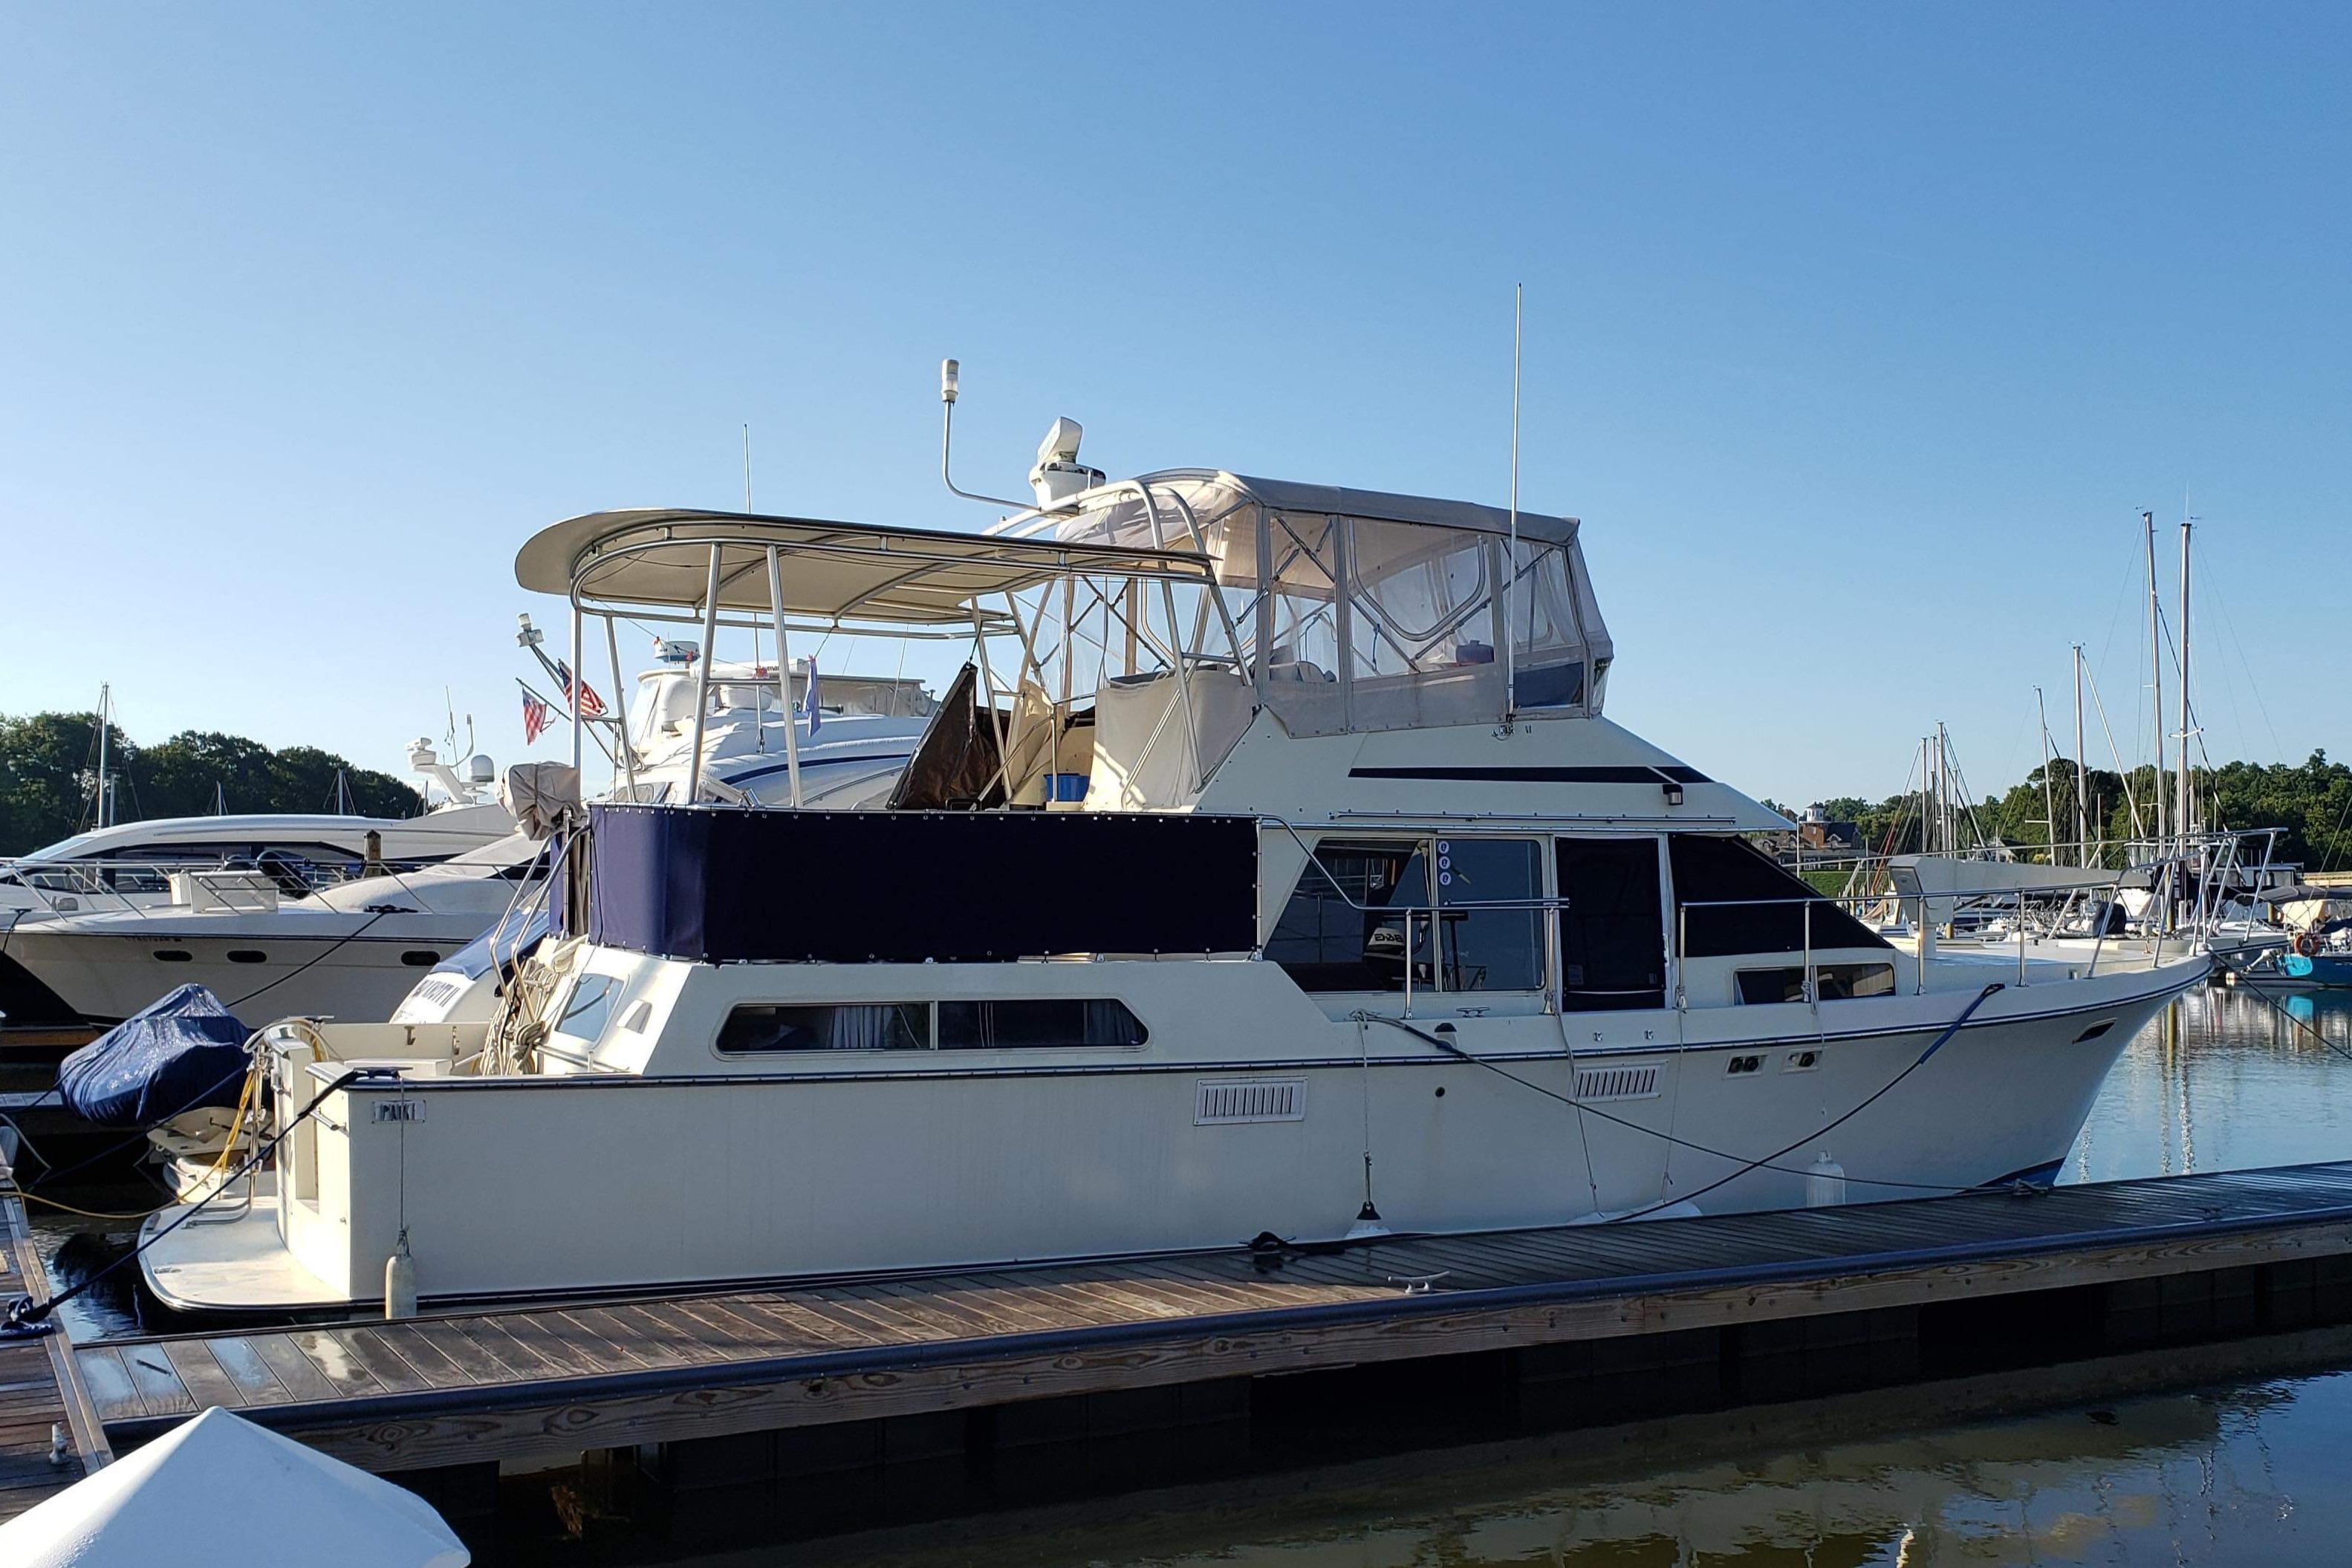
[{"x": 1356, "y": 610}]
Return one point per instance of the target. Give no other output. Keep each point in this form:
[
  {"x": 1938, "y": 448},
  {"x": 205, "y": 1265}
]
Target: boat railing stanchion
[
  {"x": 2021, "y": 935},
  {"x": 702, "y": 679},
  {"x": 1682, "y": 956},
  {"x": 784, "y": 675},
  {"x": 1813, "y": 991},
  {"x": 1408, "y": 961},
  {"x": 621, "y": 709}
]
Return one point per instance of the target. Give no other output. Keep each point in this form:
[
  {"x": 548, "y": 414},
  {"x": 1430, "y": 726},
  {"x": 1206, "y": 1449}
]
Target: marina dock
[
  {"x": 1569, "y": 1326},
  {"x": 49, "y": 1433}
]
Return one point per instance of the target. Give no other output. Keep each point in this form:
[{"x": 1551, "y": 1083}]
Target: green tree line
[
  {"x": 2310, "y": 802},
  {"x": 49, "y": 778}
]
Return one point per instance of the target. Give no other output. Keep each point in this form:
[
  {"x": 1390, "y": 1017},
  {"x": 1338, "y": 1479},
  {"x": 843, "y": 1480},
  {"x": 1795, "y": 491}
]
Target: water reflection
[
  {"x": 2249, "y": 1475},
  {"x": 2229, "y": 1080}
]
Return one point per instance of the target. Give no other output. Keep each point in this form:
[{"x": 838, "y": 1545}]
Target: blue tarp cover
[{"x": 173, "y": 1055}]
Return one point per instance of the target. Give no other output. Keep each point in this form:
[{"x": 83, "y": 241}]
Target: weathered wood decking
[
  {"x": 483, "y": 1385},
  {"x": 41, "y": 1398}
]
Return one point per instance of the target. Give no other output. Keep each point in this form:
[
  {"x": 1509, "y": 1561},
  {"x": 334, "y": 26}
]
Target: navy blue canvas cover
[
  {"x": 727, "y": 885},
  {"x": 173, "y": 1055}
]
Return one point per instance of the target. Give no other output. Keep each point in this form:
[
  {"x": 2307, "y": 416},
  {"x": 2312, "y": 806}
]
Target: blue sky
[{"x": 1857, "y": 335}]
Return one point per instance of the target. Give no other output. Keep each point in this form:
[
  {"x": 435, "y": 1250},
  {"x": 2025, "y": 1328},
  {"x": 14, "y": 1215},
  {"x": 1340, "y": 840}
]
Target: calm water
[
  {"x": 2248, "y": 1475},
  {"x": 2251, "y": 1472}
]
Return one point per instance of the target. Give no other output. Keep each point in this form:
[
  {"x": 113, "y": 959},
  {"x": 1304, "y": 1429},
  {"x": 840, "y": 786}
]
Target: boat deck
[
  {"x": 2262, "y": 1250},
  {"x": 49, "y": 1432}
]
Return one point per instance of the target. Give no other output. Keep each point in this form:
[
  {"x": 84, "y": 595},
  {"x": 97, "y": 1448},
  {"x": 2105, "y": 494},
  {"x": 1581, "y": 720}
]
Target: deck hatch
[
  {"x": 1617, "y": 1083},
  {"x": 1224, "y": 1101}
]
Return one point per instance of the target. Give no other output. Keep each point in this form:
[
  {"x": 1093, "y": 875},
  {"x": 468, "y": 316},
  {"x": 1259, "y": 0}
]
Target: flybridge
[{"x": 1133, "y": 631}]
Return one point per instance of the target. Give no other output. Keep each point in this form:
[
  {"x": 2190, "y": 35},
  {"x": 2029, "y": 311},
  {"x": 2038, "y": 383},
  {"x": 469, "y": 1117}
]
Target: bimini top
[
  {"x": 830, "y": 570},
  {"x": 1194, "y": 490}
]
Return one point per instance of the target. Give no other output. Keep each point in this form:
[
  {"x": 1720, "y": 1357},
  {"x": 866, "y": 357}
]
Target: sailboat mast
[
  {"x": 2185, "y": 814},
  {"x": 1947, "y": 816},
  {"x": 105, "y": 723},
  {"x": 2155, "y": 672},
  {"x": 2082, "y": 771},
  {"x": 2048, "y": 799}
]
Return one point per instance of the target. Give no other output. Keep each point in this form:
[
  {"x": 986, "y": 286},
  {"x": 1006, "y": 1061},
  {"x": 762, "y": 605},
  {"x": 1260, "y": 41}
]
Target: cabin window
[
  {"x": 843, "y": 1026},
  {"x": 1735, "y": 900},
  {"x": 1490, "y": 949},
  {"x": 588, "y": 1006},
  {"x": 1016, "y": 1025},
  {"x": 1834, "y": 982},
  {"x": 1613, "y": 944},
  {"x": 1342, "y": 931}
]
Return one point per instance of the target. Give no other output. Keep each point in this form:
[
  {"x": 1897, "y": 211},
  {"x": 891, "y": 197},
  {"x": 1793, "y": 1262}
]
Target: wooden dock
[
  {"x": 49, "y": 1432},
  {"x": 1728, "y": 1310}
]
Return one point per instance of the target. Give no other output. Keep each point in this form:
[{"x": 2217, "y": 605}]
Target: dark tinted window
[
  {"x": 1836, "y": 982},
  {"x": 844, "y": 1026},
  {"x": 1759, "y": 907},
  {"x": 1613, "y": 943},
  {"x": 1012, "y": 1025},
  {"x": 1490, "y": 949},
  {"x": 1548, "y": 685},
  {"x": 1334, "y": 936}
]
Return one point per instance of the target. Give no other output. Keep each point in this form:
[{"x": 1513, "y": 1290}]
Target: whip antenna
[{"x": 1511, "y": 562}]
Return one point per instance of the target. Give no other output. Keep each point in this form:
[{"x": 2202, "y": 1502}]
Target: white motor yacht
[
  {"x": 865, "y": 727},
  {"x": 127, "y": 865},
  {"x": 120, "y": 878},
  {"x": 1275, "y": 873}
]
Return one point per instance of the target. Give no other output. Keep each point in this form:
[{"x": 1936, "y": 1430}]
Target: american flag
[
  {"x": 535, "y": 716},
  {"x": 580, "y": 693}
]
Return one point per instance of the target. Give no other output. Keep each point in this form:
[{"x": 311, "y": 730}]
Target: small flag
[
  {"x": 535, "y": 714},
  {"x": 809, "y": 710},
  {"x": 580, "y": 693}
]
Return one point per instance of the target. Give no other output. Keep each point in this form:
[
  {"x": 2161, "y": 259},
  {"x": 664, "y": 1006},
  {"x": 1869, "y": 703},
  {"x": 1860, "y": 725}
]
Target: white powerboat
[
  {"x": 865, "y": 727},
  {"x": 1277, "y": 875},
  {"x": 129, "y": 866},
  {"x": 90, "y": 926}
]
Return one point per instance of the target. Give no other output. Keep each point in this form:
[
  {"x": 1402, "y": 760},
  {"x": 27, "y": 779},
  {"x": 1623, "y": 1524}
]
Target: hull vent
[
  {"x": 1221, "y": 1104},
  {"x": 1617, "y": 1083}
]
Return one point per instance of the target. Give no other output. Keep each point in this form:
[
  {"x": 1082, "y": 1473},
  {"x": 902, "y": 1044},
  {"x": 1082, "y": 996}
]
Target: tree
[{"x": 49, "y": 778}]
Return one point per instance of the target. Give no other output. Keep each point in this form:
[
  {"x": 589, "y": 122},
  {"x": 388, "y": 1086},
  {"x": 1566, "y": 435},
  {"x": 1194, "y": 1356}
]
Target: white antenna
[
  {"x": 747, "y": 466},
  {"x": 1511, "y": 562}
]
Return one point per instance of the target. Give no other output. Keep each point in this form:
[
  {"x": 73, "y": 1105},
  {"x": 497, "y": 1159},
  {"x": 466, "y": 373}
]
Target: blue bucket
[{"x": 1066, "y": 786}]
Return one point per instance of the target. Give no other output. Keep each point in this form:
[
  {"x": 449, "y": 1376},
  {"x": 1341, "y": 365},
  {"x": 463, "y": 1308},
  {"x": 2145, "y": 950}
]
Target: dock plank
[
  {"x": 243, "y": 1366},
  {"x": 297, "y": 1373},
  {"x": 569, "y": 1350},
  {"x": 158, "y": 1384},
  {"x": 109, "y": 1383},
  {"x": 202, "y": 1375},
  {"x": 332, "y": 1357}
]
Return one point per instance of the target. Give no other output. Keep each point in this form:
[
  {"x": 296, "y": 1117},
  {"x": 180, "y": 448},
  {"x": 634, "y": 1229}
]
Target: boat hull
[
  {"x": 527, "y": 1186},
  {"x": 105, "y": 977}
]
